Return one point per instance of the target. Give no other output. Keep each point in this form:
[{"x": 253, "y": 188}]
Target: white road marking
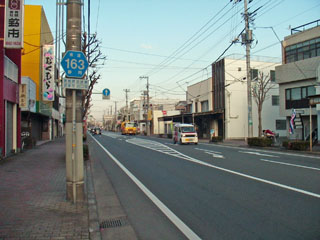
[
  {"x": 185, "y": 157},
  {"x": 259, "y": 154},
  {"x": 266, "y": 151},
  {"x": 213, "y": 153},
  {"x": 289, "y": 164},
  {"x": 172, "y": 217}
]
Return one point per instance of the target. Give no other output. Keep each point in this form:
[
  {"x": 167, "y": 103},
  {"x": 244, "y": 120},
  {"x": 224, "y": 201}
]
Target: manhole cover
[{"x": 114, "y": 223}]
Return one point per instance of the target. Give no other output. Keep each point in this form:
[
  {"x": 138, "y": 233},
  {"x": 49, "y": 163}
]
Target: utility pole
[
  {"x": 74, "y": 144},
  {"x": 148, "y": 103},
  {"x": 115, "y": 115},
  {"x": 247, "y": 41},
  {"x": 127, "y": 111}
]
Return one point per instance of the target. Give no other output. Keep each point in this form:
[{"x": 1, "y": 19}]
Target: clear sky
[{"x": 138, "y": 36}]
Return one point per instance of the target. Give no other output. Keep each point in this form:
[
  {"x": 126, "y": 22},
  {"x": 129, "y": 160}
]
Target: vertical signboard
[
  {"x": 48, "y": 82},
  {"x": 23, "y": 96},
  {"x": 13, "y": 33}
]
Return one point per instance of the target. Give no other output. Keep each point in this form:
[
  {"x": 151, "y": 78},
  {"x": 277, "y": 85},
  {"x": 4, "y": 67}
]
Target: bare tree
[
  {"x": 260, "y": 88},
  {"x": 92, "y": 49}
]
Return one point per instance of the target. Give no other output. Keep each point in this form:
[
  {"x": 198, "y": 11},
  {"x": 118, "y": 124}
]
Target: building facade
[
  {"x": 10, "y": 76},
  {"x": 219, "y": 104},
  {"x": 38, "y": 65},
  {"x": 297, "y": 78}
]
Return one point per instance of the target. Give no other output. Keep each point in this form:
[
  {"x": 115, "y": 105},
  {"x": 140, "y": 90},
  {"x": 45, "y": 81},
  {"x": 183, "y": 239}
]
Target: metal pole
[
  {"x": 248, "y": 45},
  {"x": 148, "y": 102},
  {"x": 310, "y": 136}
]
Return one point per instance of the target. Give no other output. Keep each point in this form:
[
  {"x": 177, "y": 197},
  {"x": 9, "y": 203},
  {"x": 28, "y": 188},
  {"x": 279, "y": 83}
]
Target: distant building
[
  {"x": 297, "y": 77},
  {"x": 220, "y": 103}
]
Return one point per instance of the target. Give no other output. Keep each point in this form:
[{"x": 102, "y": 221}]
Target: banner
[
  {"x": 48, "y": 81},
  {"x": 13, "y": 33},
  {"x": 293, "y": 117}
]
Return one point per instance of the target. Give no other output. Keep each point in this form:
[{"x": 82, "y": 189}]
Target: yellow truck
[{"x": 129, "y": 128}]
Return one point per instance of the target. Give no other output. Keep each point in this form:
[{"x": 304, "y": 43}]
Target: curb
[{"x": 93, "y": 217}]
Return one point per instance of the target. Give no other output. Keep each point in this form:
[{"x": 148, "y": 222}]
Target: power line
[{"x": 188, "y": 42}]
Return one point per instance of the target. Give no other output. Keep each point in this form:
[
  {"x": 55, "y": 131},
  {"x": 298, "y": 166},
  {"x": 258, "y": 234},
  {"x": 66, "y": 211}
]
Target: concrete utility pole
[
  {"x": 148, "y": 103},
  {"x": 127, "y": 111},
  {"x": 115, "y": 115},
  {"x": 248, "y": 40},
  {"x": 74, "y": 144}
]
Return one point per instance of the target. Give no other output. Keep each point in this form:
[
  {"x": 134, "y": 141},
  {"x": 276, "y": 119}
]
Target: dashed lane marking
[
  {"x": 290, "y": 164},
  {"x": 259, "y": 154}
]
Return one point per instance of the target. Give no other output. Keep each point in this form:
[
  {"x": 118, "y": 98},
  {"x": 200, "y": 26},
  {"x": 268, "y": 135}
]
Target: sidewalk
[{"x": 33, "y": 197}]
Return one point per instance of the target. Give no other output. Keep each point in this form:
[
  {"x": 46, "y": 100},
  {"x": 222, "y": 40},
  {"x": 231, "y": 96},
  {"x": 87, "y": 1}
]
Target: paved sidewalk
[{"x": 33, "y": 197}]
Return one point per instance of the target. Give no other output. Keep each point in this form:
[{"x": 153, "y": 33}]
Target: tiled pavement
[{"x": 33, "y": 197}]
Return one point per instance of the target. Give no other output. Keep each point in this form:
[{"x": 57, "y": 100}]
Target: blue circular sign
[{"x": 106, "y": 92}]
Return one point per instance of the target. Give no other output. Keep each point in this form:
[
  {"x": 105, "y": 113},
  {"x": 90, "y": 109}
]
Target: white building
[{"x": 220, "y": 103}]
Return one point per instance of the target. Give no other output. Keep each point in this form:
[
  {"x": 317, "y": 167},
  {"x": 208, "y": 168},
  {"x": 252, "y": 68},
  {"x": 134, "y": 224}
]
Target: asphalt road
[{"x": 208, "y": 191}]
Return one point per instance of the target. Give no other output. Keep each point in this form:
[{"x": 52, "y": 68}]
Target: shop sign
[
  {"x": 48, "y": 81},
  {"x": 13, "y": 33},
  {"x": 23, "y": 98}
]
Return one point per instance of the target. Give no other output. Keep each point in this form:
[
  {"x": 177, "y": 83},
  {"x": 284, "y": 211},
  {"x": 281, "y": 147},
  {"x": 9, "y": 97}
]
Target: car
[
  {"x": 97, "y": 130},
  {"x": 184, "y": 133}
]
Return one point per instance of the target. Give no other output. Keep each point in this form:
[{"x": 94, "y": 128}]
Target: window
[
  {"x": 205, "y": 106},
  {"x": 288, "y": 94},
  {"x": 272, "y": 75},
  {"x": 275, "y": 100},
  {"x": 303, "y": 50},
  {"x": 281, "y": 125},
  {"x": 254, "y": 74},
  {"x": 298, "y": 97},
  {"x": 295, "y": 93},
  {"x": 311, "y": 90}
]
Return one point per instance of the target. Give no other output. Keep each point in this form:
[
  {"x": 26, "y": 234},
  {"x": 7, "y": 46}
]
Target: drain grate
[{"x": 114, "y": 223}]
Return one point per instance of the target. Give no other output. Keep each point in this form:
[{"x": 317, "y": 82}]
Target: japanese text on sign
[
  {"x": 48, "y": 73},
  {"x": 13, "y": 37}
]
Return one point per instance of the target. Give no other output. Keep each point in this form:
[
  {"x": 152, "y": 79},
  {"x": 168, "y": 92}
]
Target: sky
[{"x": 174, "y": 42}]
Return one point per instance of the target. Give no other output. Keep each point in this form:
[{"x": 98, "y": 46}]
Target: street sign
[
  {"x": 75, "y": 64},
  {"x": 106, "y": 93},
  {"x": 75, "y": 83}
]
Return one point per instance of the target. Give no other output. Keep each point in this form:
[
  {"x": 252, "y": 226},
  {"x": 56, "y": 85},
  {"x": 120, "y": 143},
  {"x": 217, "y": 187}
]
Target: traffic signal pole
[{"x": 74, "y": 144}]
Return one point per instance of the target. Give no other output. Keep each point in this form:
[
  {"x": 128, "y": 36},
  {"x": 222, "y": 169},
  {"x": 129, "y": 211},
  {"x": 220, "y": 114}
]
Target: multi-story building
[
  {"x": 38, "y": 64},
  {"x": 297, "y": 77},
  {"x": 11, "y": 42},
  {"x": 220, "y": 103}
]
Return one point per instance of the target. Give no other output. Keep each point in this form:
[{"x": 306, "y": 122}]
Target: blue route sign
[
  {"x": 106, "y": 93},
  {"x": 75, "y": 64}
]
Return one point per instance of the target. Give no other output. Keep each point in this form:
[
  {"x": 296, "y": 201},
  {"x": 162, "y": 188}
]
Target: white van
[{"x": 184, "y": 133}]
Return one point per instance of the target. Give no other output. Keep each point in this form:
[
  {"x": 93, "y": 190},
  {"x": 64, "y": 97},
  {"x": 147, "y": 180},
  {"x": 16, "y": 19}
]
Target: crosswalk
[{"x": 159, "y": 147}]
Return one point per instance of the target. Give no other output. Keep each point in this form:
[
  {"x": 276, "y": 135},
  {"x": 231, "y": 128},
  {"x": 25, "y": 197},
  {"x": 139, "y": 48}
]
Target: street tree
[
  {"x": 92, "y": 49},
  {"x": 260, "y": 88}
]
